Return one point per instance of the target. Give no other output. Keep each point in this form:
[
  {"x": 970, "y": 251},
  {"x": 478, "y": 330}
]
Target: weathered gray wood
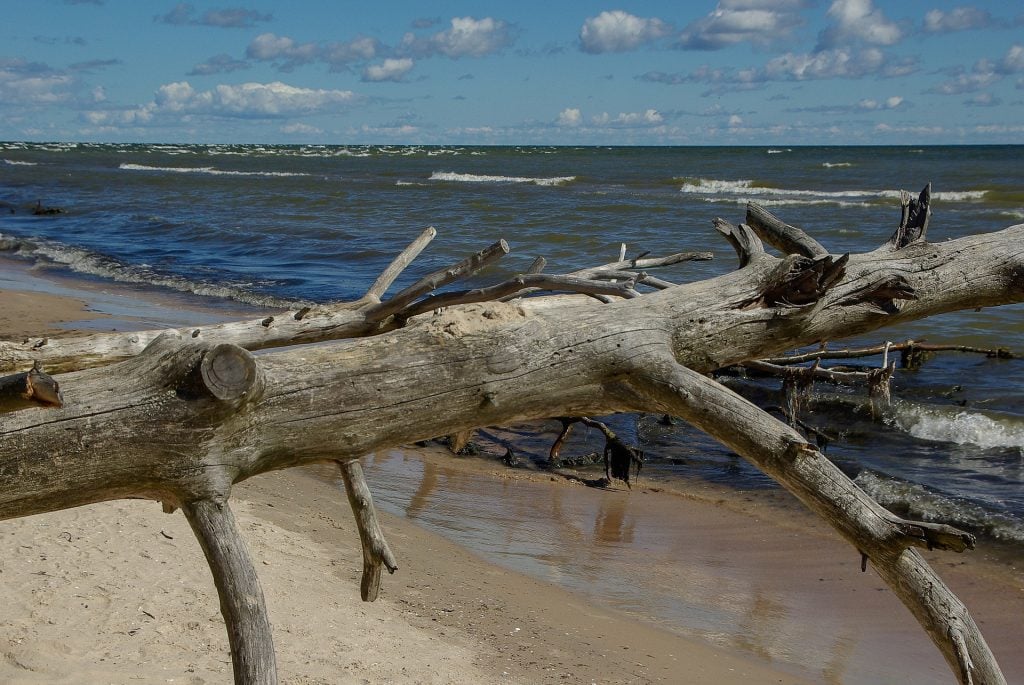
[
  {"x": 777, "y": 233},
  {"x": 241, "y": 598},
  {"x": 882, "y": 537},
  {"x": 154, "y": 427},
  {"x": 399, "y": 264},
  {"x": 376, "y": 552}
]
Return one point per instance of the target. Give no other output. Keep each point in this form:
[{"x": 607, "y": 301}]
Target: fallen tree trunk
[{"x": 187, "y": 418}]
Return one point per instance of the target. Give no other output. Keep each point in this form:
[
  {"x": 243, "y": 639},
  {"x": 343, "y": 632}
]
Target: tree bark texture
[{"x": 187, "y": 418}]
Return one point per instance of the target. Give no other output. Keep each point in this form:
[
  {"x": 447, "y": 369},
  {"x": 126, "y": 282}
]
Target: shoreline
[{"x": 735, "y": 621}]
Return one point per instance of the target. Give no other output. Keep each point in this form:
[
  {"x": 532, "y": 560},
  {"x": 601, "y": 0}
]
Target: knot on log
[
  {"x": 226, "y": 373},
  {"x": 33, "y": 388}
]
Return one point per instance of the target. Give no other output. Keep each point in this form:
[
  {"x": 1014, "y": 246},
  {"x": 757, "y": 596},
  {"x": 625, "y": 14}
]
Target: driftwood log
[{"x": 183, "y": 417}]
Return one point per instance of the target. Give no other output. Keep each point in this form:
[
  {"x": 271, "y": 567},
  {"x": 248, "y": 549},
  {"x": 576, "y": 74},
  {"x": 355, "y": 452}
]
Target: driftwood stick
[
  {"x": 399, "y": 263},
  {"x": 883, "y": 537},
  {"x": 789, "y": 239},
  {"x": 375, "y": 548},
  {"x": 241, "y": 598},
  {"x": 32, "y": 388},
  {"x": 908, "y": 346},
  {"x": 742, "y": 238},
  {"x": 817, "y": 372},
  {"x": 639, "y": 277},
  {"x": 437, "y": 279},
  {"x": 519, "y": 284},
  {"x": 646, "y": 263}
]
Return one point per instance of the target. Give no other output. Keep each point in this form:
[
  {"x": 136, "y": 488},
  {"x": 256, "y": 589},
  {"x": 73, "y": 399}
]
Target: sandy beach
[{"x": 723, "y": 588}]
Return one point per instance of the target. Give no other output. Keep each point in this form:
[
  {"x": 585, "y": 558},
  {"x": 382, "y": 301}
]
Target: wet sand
[{"x": 506, "y": 576}]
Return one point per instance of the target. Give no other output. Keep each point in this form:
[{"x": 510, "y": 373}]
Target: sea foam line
[
  {"x": 206, "y": 170},
  {"x": 923, "y": 503},
  {"x": 712, "y": 187},
  {"x": 483, "y": 178},
  {"x": 85, "y": 261},
  {"x": 959, "y": 426},
  {"x": 15, "y": 162}
]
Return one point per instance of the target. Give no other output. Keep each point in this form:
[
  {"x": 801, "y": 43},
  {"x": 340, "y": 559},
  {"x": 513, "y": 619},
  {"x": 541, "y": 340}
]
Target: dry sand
[{"x": 119, "y": 592}]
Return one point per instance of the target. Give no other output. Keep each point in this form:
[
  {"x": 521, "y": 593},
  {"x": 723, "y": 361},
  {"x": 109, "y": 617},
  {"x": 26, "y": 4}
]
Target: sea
[{"x": 277, "y": 226}]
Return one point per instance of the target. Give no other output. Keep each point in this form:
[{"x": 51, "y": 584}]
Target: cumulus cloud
[
  {"x": 827, "y": 64},
  {"x": 1013, "y": 61},
  {"x": 957, "y": 19},
  {"x": 33, "y": 83},
  {"x": 218, "y": 64},
  {"x": 865, "y": 105},
  {"x": 742, "y": 21},
  {"x": 648, "y": 117},
  {"x": 618, "y": 31},
  {"x": 983, "y": 74},
  {"x": 570, "y": 116},
  {"x": 245, "y": 100},
  {"x": 269, "y": 47},
  {"x": 858, "y": 21},
  {"x": 183, "y": 14},
  {"x": 983, "y": 100},
  {"x": 390, "y": 70},
  {"x": 466, "y": 37},
  {"x": 300, "y": 129}
]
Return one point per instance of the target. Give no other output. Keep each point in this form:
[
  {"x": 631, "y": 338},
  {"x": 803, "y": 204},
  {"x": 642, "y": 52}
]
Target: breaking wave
[
  {"x": 455, "y": 177},
  {"x": 15, "y": 162},
  {"x": 836, "y": 165},
  {"x": 207, "y": 170},
  {"x": 939, "y": 423},
  {"x": 919, "y": 502},
  {"x": 83, "y": 261},
  {"x": 741, "y": 190}
]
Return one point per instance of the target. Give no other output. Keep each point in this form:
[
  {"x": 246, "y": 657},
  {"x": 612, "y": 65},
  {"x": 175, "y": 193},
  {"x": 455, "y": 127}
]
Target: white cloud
[
  {"x": 231, "y": 18},
  {"x": 570, "y": 116},
  {"x": 739, "y": 21},
  {"x": 467, "y": 37},
  {"x": 245, "y": 100},
  {"x": 825, "y": 64},
  {"x": 32, "y": 83},
  {"x": 390, "y": 70},
  {"x": 218, "y": 64},
  {"x": 871, "y": 105},
  {"x": 618, "y": 31},
  {"x": 735, "y": 120},
  {"x": 1013, "y": 61},
  {"x": 957, "y": 19},
  {"x": 858, "y": 21},
  {"x": 268, "y": 47},
  {"x": 301, "y": 129},
  {"x": 649, "y": 117}
]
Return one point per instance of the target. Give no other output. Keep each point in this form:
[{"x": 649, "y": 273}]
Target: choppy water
[{"x": 278, "y": 224}]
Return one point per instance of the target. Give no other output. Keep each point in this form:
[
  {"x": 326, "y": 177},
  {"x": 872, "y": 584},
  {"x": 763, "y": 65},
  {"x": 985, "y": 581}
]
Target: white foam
[
  {"x": 922, "y": 503},
  {"x": 746, "y": 188},
  {"x": 835, "y": 165},
  {"x": 87, "y": 262},
  {"x": 206, "y": 170},
  {"x": 15, "y": 162},
  {"x": 959, "y": 426},
  {"x": 779, "y": 152},
  {"x": 452, "y": 176}
]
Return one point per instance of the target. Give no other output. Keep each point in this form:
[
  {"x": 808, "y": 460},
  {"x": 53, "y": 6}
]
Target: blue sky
[{"x": 659, "y": 73}]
